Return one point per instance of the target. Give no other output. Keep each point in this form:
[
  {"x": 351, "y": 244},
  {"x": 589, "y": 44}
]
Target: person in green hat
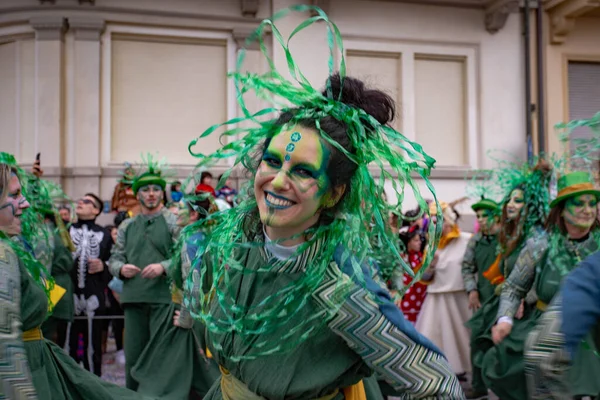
[
  {"x": 180, "y": 340},
  {"x": 571, "y": 234},
  {"x": 573, "y": 317},
  {"x": 140, "y": 257},
  {"x": 479, "y": 256}
]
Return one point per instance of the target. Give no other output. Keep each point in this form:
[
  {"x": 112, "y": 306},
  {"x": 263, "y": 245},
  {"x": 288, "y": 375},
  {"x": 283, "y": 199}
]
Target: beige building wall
[
  {"x": 91, "y": 86},
  {"x": 581, "y": 44}
]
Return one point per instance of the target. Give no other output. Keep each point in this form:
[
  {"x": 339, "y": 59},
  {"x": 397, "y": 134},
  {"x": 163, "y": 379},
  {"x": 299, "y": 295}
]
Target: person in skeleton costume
[
  {"x": 91, "y": 277},
  {"x": 141, "y": 258}
]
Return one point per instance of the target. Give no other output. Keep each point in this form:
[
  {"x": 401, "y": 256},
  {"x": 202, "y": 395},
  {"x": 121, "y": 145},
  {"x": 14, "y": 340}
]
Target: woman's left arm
[
  {"x": 15, "y": 377},
  {"x": 375, "y": 329}
]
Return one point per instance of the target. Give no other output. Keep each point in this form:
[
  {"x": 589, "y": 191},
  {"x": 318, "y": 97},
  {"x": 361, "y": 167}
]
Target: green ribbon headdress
[
  {"x": 362, "y": 214},
  {"x": 33, "y": 229}
]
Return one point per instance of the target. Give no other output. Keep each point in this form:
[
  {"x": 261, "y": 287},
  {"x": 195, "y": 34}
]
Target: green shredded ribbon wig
[
  {"x": 360, "y": 219},
  {"x": 33, "y": 228}
]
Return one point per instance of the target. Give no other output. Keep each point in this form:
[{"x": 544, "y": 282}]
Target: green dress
[
  {"x": 484, "y": 319},
  {"x": 364, "y": 337},
  {"x": 479, "y": 256},
  {"x": 172, "y": 345},
  {"x": 141, "y": 241},
  {"x": 503, "y": 365},
  {"x": 62, "y": 265},
  {"x": 54, "y": 374}
]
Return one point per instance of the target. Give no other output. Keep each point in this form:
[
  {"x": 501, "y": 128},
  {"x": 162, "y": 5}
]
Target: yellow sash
[
  {"x": 177, "y": 296},
  {"x": 355, "y": 392},
  {"x": 541, "y": 306},
  {"x": 234, "y": 389},
  {"x": 32, "y": 334},
  {"x": 56, "y": 294}
]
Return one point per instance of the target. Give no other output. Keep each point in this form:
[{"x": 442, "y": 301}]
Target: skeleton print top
[{"x": 91, "y": 241}]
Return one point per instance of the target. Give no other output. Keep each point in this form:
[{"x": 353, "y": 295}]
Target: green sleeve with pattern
[
  {"x": 118, "y": 257},
  {"x": 547, "y": 361},
  {"x": 469, "y": 268},
  {"x": 185, "y": 318},
  {"x": 15, "y": 377},
  {"x": 522, "y": 277},
  {"x": 411, "y": 368},
  {"x": 174, "y": 230}
]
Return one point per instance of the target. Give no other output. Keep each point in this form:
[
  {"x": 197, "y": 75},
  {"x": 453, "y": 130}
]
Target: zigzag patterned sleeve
[
  {"x": 522, "y": 277},
  {"x": 411, "y": 368},
  {"x": 15, "y": 377},
  {"x": 469, "y": 269},
  {"x": 546, "y": 360}
]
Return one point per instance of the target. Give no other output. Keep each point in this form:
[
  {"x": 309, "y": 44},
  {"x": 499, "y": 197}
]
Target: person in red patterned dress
[{"x": 415, "y": 296}]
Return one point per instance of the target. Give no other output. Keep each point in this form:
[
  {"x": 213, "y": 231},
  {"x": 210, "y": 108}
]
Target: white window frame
[
  {"x": 408, "y": 53},
  {"x": 171, "y": 33}
]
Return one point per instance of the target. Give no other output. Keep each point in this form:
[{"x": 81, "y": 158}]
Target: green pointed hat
[
  {"x": 485, "y": 204},
  {"x": 155, "y": 173},
  {"x": 574, "y": 184},
  {"x": 148, "y": 178}
]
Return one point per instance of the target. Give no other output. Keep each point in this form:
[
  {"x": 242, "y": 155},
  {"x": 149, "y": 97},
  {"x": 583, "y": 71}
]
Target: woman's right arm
[
  {"x": 521, "y": 279},
  {"x": 15, "y": 377}
]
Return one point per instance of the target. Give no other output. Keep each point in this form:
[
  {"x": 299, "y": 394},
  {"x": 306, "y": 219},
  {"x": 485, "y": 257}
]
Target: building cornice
[
  {"x": 48, "y": 27},
  {"x": 497, "y": 12},
  {"x": 563, "y": 14}
]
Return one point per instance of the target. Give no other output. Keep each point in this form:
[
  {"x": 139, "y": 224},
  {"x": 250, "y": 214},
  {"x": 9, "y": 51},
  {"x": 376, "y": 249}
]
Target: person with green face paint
[
  {"x": 34, "y": 367},
  {"x": 570, "y": 325},
  {"x": 523, "y": 213},
  {"x": 141, "y": 258},
  {"x": 180, "y": 340},
  {"x": 571, "y": 235},
  {"x": 479, "y": 256},
  {"x": 285, "y": 283}
]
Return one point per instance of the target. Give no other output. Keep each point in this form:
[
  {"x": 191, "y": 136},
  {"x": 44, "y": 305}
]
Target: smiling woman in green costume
[{"x": 284, "y": 286}]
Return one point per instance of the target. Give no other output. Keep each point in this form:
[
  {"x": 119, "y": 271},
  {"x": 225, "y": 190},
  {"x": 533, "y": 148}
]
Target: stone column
[
  {"x": 48, "y": 115},
  {"x": 85, "y": 147}
]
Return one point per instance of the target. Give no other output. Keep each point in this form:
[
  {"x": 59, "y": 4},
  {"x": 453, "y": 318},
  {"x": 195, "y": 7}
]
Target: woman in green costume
[
  {"x": 523, "y": 214},
  {"x": 180, "y": 340},
  {"x": 571, "y": 234},
  {"x": 35, "y": 365},
  {"x": 285, "y": 287}
]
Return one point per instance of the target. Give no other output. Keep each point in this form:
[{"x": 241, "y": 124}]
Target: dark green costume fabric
[
  {"x": 55, "y": 374},
  {"x": 299, "y": 374},
  {"x": 485, "y": 255},
  {"x": 343, "y": 352},
  {"x": 503, "y": 365},
  {"x": 484, "y": 319},
  {"x": 148, "y": 241},
  {"x": 62, "y": 265},
  {"x": 141, "y": 241},
  {"x": 173, "y": 345},
  {"x": 484, "y": 251}
]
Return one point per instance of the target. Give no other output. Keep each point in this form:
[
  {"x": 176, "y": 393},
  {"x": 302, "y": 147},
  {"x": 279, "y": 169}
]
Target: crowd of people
[{"x": 307, "y": 283}]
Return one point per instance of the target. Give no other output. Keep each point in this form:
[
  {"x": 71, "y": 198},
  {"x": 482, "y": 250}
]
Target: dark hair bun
[
  {"x": 355, "y": 94},
  {"x": 544, "y": 167}
]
